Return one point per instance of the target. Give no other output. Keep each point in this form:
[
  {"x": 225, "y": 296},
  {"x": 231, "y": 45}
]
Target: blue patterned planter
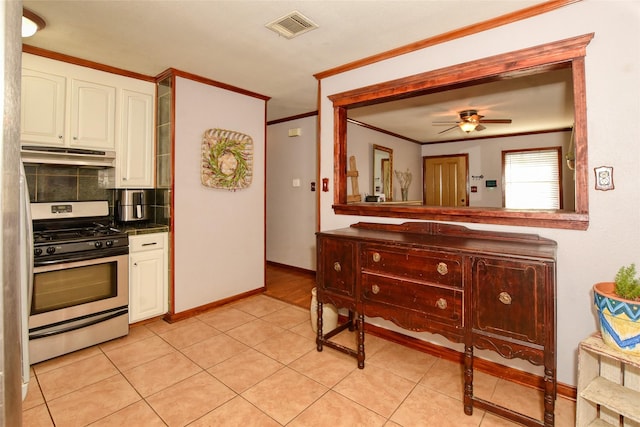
[{"x": 619, "y": 319}]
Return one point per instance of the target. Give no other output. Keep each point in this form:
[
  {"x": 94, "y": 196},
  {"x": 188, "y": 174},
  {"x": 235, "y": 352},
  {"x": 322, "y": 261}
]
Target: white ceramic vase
[{"x": 329, "y": 314}]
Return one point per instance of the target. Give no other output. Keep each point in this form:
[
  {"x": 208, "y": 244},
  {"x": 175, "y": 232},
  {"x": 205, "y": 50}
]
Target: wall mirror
[
  {"x": 554, "y": 60},
  {"x": 382, "y": 172}
]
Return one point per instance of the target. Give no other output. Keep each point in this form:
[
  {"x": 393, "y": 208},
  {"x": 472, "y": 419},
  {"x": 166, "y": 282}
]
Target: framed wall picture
[{"x": 604, "y": 178}]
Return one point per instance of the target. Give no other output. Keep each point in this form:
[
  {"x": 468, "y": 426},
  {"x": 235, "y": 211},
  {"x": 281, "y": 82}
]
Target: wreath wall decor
[{"x": 227, "y": 159}]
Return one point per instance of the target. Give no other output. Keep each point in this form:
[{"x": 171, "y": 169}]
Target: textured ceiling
[{"x": 227, "y": 41}]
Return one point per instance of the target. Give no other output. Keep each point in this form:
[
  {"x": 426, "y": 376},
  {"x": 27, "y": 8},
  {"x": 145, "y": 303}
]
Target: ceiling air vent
[{"x": 292, "y": 25}]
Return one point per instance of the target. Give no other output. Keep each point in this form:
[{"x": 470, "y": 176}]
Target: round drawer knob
[
  {"x": 375, "y": 289},
  {"x": 376, "y": 257},
  {"x": 504, "y": 298},
  {"x": 441, "y": 303},
  {"x": 442, "y": 268},
  {"x": 337, "y": 267}
]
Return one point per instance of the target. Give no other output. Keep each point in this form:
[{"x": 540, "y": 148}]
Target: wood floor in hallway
[{"x": 290, "y": 284}]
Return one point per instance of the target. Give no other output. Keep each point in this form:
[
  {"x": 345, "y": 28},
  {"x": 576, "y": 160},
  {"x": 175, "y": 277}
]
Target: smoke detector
[{"x": 292, "y": 25}]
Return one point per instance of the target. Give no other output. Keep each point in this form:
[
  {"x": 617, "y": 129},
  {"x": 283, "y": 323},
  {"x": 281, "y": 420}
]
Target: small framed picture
[{"x": 604, "y": 178}]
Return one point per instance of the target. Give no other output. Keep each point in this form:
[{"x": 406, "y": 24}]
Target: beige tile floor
[{"x": 254, "y": 363}]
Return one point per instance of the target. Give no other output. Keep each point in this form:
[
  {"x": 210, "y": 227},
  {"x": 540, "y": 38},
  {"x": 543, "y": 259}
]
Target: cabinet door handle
[
  {"x": 135, "y": 264},
  {"x": 337, "y": 267},
  {"x": 375, "y": 289},
  {"x": 150, "y": 244},
  {"x": 442, "y": 268},
  {"x": 59, "y": 136},
  {"x": 376, "y": 257},
  {"x": 504, "y": 298},
  {"x": 441, "y": 303}
]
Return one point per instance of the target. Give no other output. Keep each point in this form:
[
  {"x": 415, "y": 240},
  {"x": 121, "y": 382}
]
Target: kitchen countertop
[{"x": 142, "y": 228}]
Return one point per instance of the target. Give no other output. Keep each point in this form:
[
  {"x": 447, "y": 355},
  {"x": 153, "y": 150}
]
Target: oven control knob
[
  {"x": 98, "y": 244},
  {"x": 109, "y": 243},
  {"x": 51, "y": 250},
  {"x": 37, "y": 251}
]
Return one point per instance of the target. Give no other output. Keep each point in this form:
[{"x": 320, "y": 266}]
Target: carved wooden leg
[
  {"x": 360, "y": 332},
  {"x": 468, "y": 379},
  {"x": 549, "y": 396},
  {"x": 319, "y": 331}
]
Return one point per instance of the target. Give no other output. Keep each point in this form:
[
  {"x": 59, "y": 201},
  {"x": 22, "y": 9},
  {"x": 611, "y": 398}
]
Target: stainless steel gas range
[{"x": 80, "y": 292}]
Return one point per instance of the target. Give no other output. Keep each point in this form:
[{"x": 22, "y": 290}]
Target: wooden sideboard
[{"x": 488, "y": 290}]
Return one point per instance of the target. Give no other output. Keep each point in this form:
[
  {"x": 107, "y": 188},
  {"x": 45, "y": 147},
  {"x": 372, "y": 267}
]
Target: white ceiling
[{"x": 227, "y": 41}]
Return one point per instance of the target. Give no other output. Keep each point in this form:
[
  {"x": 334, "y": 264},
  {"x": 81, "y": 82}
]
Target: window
[{"x": 532, "y": 178}]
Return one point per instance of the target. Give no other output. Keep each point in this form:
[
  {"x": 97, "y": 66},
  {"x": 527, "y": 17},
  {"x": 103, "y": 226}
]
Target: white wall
[
  {"x": 219, "y": 234},
  {"x": 291, "y": 211},
  {"x": 613, "y": 106}
]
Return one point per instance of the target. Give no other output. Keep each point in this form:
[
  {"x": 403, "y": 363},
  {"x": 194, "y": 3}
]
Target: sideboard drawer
[
  {"x": 414, "y": 264},
  {"x": 431, "y": 302}
]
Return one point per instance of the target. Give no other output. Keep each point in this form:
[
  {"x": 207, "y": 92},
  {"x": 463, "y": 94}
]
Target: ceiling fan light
[{"x": 467, "y": 126}]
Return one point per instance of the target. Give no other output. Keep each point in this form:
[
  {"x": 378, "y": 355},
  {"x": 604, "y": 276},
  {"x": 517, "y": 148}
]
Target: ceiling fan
[{"x": 470, "y": 120}]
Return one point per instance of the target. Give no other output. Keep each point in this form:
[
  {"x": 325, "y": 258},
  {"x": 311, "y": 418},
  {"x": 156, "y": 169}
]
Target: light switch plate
[{"x": 296, "y": 182}]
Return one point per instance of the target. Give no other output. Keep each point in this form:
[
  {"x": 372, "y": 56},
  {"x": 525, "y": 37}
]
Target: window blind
[{"x": 532, "y": 179}]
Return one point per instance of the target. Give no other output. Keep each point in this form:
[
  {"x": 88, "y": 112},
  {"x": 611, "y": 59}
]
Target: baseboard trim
[
  {"x": 175, "y": 317},
  {"x": 482, "y": 365},
  {"x": 291, "y": 268}
]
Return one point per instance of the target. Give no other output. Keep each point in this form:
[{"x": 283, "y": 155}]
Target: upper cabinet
[
  {"x": 69, "y": 106},
  {"x": 42, "y": 108},
  {"x": 135, "y": 152},
  {"x": 45, "y": 107},
  {"x": 93, "y": 113}
]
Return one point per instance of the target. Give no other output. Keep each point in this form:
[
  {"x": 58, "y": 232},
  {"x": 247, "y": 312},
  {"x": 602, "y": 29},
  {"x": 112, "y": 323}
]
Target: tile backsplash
[
  {"x": 52, "y": 183},
  {"x": 57, "y": 183}
]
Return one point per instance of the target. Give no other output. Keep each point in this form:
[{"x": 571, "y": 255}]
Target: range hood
[{"x": 67, "y": 156}]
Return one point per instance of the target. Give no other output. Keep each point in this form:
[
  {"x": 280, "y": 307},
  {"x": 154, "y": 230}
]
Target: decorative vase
[
  {"x": 329, "y": 314},
  {"x": 405, "y": 194},
  {"x": 619, "y": 318}
]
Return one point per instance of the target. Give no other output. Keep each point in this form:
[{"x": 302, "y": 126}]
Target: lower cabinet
[{"x": 148, "y": 276}]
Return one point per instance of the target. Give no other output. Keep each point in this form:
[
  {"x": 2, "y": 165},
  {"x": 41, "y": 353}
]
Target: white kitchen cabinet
[
  {"x": 148, "y": 276},
  {"x": 46, "y": 104},
  {"x": 135, "y": 151},
  {"x": 93, "y": 113},
  {"x": 70, "y": 106},
  {"x": 42, "y": 108}
]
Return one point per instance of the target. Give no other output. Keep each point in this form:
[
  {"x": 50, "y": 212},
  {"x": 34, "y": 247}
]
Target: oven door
[{"x": 71, "y": 295}]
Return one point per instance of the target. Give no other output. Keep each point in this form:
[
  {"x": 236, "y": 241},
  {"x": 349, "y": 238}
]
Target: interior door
[{"x": 445, "y": 180}]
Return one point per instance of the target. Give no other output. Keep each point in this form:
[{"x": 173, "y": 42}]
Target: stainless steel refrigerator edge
[{"x": 11, "y": 355}]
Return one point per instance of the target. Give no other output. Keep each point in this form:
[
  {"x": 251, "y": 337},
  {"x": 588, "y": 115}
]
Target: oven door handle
[{"x": 75, "y": 324}]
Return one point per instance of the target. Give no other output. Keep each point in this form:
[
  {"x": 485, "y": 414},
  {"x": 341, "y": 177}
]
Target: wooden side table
[{"x": 608, "y": 386}]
